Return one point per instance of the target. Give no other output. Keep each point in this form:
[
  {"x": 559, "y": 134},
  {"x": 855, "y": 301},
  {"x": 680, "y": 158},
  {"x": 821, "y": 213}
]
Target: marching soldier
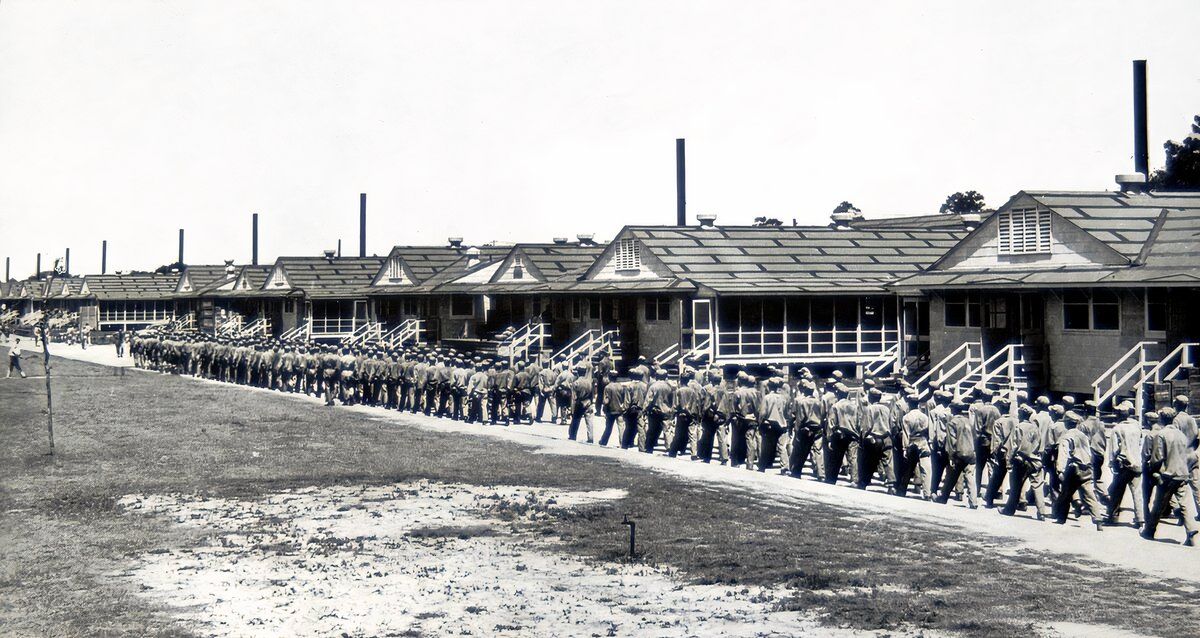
[
  {"x": 1025, "y": 454},
  {"x": 742, "y": 421},
  {"x": 1074, "y": 465},
  {"x": 689, "y": 404},
  {"x": 841, "y": 431},
  {"x": 657, "y": 405},
  {"x": 960, "y": 450},
  {"x": 808, "y": 415},
  {"x": 1168, "y": 465},
  {"x": 997, "y": 443},
  {"x": 1126, "y": 464},
  {"x": 611, "y": 404},
  {"x": 634, "y": 395},
  {"x": 875, "y": 439},
  {"x": 915, "y": 427},
  {"x": 582, "y": 397}
]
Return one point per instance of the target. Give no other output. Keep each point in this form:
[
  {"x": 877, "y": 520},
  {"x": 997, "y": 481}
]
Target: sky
[{"x": 527, "y": 120}]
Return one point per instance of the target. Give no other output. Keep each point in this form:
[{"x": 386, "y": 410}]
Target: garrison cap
[
  {"x": 1167, "y": 413},
  {"x": 1181, "y": 398},
  {"x": 868, "y": 383},
  {"x": 1026, "y": 409},
  {"x": 874, "y": 392},
  {"x": 842, "y": 387},
  {"x": 837, "y": 374},
  {"x": 1057, "y": 409},
  {"x": 1043, "y": 400},
  {"x": 1124, "y": 406},
  {"x": 1072, "y": 416},
  {"x": 1152, "y": 416},
  {"x": 1068, "y": 400}
]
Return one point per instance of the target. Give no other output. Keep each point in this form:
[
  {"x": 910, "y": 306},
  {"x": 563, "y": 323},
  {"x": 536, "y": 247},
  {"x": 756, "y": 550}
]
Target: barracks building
[{"x": 1080, "y": 292}]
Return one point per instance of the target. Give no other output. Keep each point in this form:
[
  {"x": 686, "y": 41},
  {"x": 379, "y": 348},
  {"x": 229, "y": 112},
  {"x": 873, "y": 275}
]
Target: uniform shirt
[
  {"x": 876, "y": 420},
  {"x": 717, "y": 400},
  {"x": 1074, "y": 448},
  {"x": 960, "y": 438},
  {"x": 1127, "y": 445},
  {"x": 939, "y": 418},
  {"x": 635, "y": 393},
  {"x": 1169, "y": 453},
  {"x": 916, "y": 425},
  {"x": 478, "y": 383},
  {"x": 807, "y": 412},
  {"x": 613, "y": 398},
  {"x": 505, "y": 379},
  {"x": 1001, "y": 429},
  {"x": 1186, "y": 424},
  {"x": 745, "y": 402},
  {"x": 775, "y": 407},
  {"x": 546, "y": 379},
  {"x": 582, "y": 392},
  {"x": 1025, "y": 441},
  {"x": 660, "y": 396},
  {"x": 843, "y": 416},
  {"x": 985, "y": 418},
  {"x": 1051, "y": 431},
  {"x": 689, "y": 399}
]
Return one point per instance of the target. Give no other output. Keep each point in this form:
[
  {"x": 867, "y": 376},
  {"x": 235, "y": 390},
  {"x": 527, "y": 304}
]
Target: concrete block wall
[
  {"x": 1077, "y": 357},
  {"x": 945, "y": 339}
]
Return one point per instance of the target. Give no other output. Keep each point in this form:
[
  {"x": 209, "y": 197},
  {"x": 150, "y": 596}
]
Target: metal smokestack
[
  {"x": 67, "y": 263},
  {"x": 1141, "y": 129},
  {"x": 254, "y": 240},
  {"x": 339, "y": 254},
  {"x": 362, "y": 224},
  {"x": 103, "y": 256},
  {"x": 37, "y": 274},
  {"x": 181, "y": 245},
  {"x": 7, "y": 263},
  {"x": 680, "y": 185}
]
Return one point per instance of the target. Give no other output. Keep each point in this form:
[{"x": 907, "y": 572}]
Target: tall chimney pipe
[
  {"x": 103, "y": 256},
  {"x": 339, "y": 248},
  {"x": 181, "y": 245},
  {"x": 680, "y": 185},
  {"x": 254, "y": 240},
  {"x": 67, "y": 263},
  {"x": 37, "y": 273},
  {"x": 1141, "y": 129},
  {"x": 7, "y": 263},
  {"x": 362, "y": 224}
]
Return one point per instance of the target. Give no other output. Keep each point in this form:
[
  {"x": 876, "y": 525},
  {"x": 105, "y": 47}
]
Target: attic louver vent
[
  {"x": 629, "y": 255},
  {"x": 395, "y": 273},
  {"x": 1024, "y": 231}
]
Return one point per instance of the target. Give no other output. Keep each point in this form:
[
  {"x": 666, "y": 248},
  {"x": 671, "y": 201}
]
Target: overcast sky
[{"x": 521, "y": 121}]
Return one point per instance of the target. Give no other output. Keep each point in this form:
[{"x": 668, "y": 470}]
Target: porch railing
[
  {"x": 258, "y": 327},
  {"x": 952, "y": 367},
  {"x": 1006, "y": 367},
  {"x": 587, "y": 345},
  {"x": 524, "y": 340},
  {"x": 407, "y": 330},
  {"x": 889, "y": 359},
  {"x": 331, "y": 326},
  {"x": 1128, "y": 373},
  {"x": 232, "y": 325},
  {"x": 299, "y": 333},
  {"x": 365, "y": 332}
]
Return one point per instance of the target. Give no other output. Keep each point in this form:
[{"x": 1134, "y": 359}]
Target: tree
[
  {"x": 1182, "y": 170},
  {"x": 767, "y": 221},
  {"x": 169, "y": 268},
  {"x": 846, "y": 207},
  {"x": 963, "y": 203}
]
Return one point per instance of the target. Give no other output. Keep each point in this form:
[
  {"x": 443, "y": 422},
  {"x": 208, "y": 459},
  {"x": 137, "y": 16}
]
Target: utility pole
[{"x": 45, "y": 330}]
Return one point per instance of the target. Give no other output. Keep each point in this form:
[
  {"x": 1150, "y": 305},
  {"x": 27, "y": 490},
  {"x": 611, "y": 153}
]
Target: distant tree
[
  {"x": 767, "y": 221},
  {"x": 167, "y": 268},
  {"x": 961, "y": 203},
  {"x": 846, "y": 207},
  {"x": 1182, "y": 170}
]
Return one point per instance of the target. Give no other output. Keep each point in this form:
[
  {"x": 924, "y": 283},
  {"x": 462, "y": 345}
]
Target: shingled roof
[
  {"x": 938, "y": 221},
  {"x": 318, "y": 277},
  {"x": 133, "y": 287},
  {"x": 791, "y": 259},
  {"x": 1157, "y": 235},
  {"x": 205, "y": 276}
]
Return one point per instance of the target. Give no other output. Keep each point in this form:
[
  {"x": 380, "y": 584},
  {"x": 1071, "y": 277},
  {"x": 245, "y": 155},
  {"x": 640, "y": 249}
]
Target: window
[
  {"x": 462, "y": 305},
  {"x": 962, "y": 311},
  {"x": 576, "y": 309},
  {"x": 1024, "y": 231},
  {"x": 1156, "y": 311},
  {"x": 658, "y": 309},
  {"x": 518, "y": 272},
  {"x": 594, "y": 308},
  {"x": 628, "y": 256},
  {"x": 1033, "y": 312},
  {"x": 997, "y": 313},
  {"x": 1099, "y": 310}
]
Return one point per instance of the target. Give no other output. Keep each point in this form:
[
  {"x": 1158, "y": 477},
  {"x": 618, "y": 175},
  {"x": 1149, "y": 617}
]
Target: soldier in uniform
[
  {"x": 1025, "y": 454},
  {"x": 634, "y": 394},
  {"x": 914, "y": 428},
  {"x": 807, "y": 429},
  {"x": 841, "y": 431},
  {"x": 582, "y": 398},
  {"x": 477, "y": 390},
  {"x": 742, "y": 421},
  {"x": 1074, "y": 465},
  {"x": 562, "y": 394},
  {"x": 612, "y": 405},
  {"x": 1126, "y": 464},
  {"x": 1168, "y": 465},
  {"x": 875, "y": 439},
  {"x": 546, "y": 378},
  {"x": 689, "y": 403},
  {"x": 997, "y": 443},
  {"x": 960, "y": 448},
  {"x": 774, "y": 416}
]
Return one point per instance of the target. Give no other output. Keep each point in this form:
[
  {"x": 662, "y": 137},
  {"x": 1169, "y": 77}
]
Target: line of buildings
[{"x": 1081, "y": 292}]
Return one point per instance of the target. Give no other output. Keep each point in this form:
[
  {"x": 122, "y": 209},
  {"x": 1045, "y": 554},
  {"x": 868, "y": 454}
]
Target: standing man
[
  {"x": 1168, "y": 465},
  {"x": 614, "y": 409},
  {"x": 582, "y": 398},
  {"x": 875, "y": 445},
  {"x": 960, "y": 450},
  {"x": 634, "y": 395},
  {"x": 689, "y": 402},
  {"x": 914, "y": 429},
  {"x": 14, "y": 359},
  {"x": 658, "y": 405},
  {"x": 841, "y": 431},
  {"x": 807, "y": 430},
  {"x": 713, "y": 418},
  {"x": 120, "y": 343},
  {"x": 1074, "y": 463},
  {"x": 985, "y": 414},
  {"x": 1126, "y": 464},
  {"x": 603, "y": 367},
  {"x": 742, "y": 423},
  {"x": 774, "y": 416},
  {"x": 998, "y": 442}
]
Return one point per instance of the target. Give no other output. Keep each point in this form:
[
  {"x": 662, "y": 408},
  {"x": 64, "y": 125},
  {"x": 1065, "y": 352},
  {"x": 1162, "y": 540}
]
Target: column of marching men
[{"x": 1006, "y": 450}]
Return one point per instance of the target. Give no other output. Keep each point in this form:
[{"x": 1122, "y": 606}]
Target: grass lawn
[{"x": 62, "y": 535}]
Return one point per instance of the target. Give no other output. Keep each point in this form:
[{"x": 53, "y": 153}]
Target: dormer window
[
  {"x": 629, "y": 255},
  {"x": 1024, "y": 231}
]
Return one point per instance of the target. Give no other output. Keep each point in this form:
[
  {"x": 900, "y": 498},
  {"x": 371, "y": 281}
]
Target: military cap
[
  {"x": 1181, "y": 398},
  {"x": 837, "y": 374},
  {"x": 1072, "y": 416},
  {"x": 1057, "y": 409},
  {"x": 842, "y": 387},
  {"x": 868, "y": 383},
  {"x": 1068, "y": 400},
  {"x": 1043, "y": 400},
  {"x": 1168, "y": 413},
  {"x": 1152, "y": 416},
  {"x": 1002, "y": 399},
  {"x": 1026, "y": 409},
  {"x": 1124, "y": 406},
  {"x": 874, "y": 392}
]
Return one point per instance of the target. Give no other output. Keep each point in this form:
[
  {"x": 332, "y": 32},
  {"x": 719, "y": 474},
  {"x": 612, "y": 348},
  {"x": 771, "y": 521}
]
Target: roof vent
[
  {"x": 455, "y": 242},
  {"x": 560, "y": 240},
  {"x": 472, "y": 257},
  {"x": 970, "y": 220},
  {"x": 230, "y": 269},
  {"x": 1132, "y": 183},
  {"x": 706, "y": 221},
  {"x": 586, "y": 240},
  {"x": 330, "y": 255}
]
